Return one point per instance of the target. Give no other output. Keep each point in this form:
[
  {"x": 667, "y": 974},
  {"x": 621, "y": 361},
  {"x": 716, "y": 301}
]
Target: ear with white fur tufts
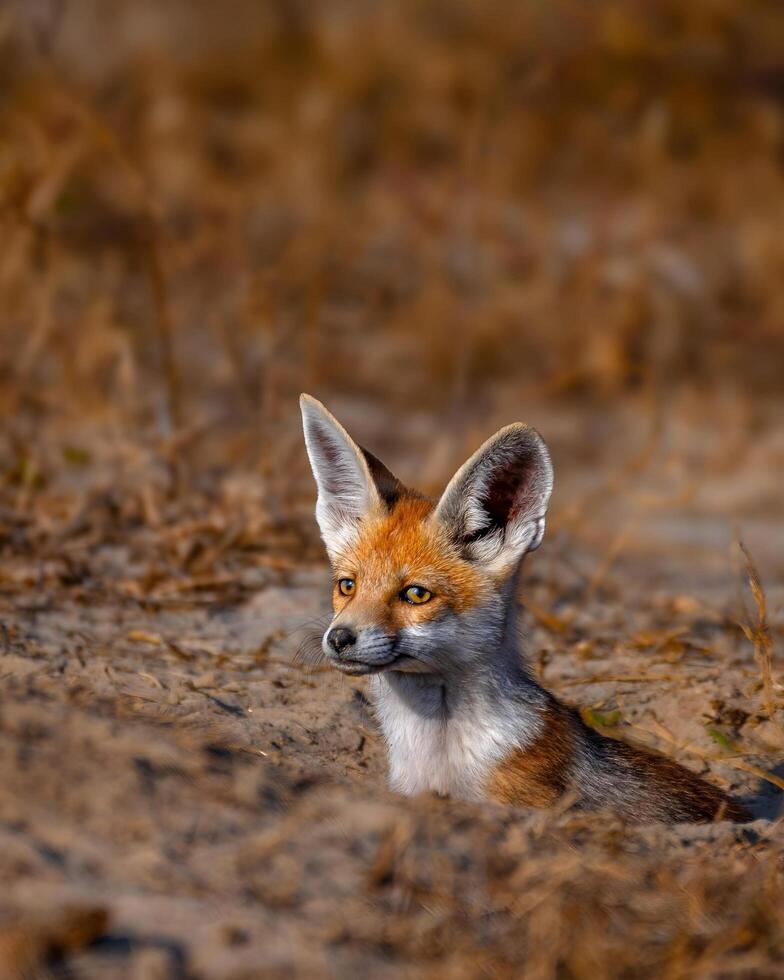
[
  {"x": 351, "y": 482},
  {"x": 495, "y": 505}
]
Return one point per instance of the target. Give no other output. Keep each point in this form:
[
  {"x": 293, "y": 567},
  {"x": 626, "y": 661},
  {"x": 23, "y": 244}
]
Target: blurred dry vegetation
[{"x": 438, "y": 217}]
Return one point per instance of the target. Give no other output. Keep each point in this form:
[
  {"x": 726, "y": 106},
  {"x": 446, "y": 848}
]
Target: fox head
[{"x": 423, "y": 586}]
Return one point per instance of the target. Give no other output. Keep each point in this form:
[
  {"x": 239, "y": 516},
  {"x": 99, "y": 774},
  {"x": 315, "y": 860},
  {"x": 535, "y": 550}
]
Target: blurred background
[{"x": 438, "y": 217}]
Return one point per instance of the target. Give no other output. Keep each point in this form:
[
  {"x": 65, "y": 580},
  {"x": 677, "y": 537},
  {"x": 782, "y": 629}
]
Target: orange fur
[
  {"x": 398, "y": 549},
  {"x": 539, "y": 775}
]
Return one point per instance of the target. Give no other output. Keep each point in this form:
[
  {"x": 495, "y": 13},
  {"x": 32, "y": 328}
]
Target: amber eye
[
  {"x": 416, "y": 595},
  {"x": 347, "y": 586}
]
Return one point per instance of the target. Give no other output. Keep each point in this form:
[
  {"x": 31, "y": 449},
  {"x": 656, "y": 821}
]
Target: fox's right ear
[{"x": 351, "y": 482}]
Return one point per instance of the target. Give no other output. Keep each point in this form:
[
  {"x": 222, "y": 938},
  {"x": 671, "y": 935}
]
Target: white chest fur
[{"x": 448, "y": 752}]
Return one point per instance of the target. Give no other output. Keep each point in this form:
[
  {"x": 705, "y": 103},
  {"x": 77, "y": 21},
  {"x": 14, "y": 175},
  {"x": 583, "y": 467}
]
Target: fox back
[{"x": 424, "y": 597}]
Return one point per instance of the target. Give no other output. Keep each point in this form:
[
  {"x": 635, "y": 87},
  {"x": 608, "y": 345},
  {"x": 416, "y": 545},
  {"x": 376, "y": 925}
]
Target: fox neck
[{"x": 445, "y": 732}]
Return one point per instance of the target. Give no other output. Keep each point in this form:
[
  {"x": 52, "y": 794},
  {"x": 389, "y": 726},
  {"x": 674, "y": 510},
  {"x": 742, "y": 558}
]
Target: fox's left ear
[
  {"x": 494, "y": 506},
  {"x": 351, "y": 482}
]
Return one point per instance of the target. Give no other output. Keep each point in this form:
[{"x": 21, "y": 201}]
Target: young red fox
[{"x": 425, "y": 602}]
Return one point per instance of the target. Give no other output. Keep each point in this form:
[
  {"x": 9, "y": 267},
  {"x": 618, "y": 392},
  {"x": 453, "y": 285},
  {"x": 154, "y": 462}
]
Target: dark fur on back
[{"x": 638, "y": 784}]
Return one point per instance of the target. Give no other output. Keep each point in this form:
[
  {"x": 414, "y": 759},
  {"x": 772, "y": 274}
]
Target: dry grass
[{"x": 439, "y": 217}]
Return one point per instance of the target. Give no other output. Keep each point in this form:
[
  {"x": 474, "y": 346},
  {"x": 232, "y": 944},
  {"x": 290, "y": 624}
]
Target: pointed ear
[
  {"x": 495, "y": 505},
  {"x": 351, "y": 482}
]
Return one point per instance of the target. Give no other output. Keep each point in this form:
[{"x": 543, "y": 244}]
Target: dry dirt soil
[{"x": 185, "y": 796}]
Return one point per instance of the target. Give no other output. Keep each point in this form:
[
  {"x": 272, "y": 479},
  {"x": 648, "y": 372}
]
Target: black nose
[{"x": 341, "y": 639}]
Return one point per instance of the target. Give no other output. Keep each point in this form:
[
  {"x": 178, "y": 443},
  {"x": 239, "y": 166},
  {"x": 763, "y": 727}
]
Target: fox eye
[
  {"x": 347, "y": 586},
  {"x": 416, "y": 595}
]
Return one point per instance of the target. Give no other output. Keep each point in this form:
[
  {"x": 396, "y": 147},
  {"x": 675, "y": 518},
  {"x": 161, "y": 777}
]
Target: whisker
[
  {"x": 290, "y": 626},
  {"x": 309, "y": 653},
  {"x": 321, "y": 620}
]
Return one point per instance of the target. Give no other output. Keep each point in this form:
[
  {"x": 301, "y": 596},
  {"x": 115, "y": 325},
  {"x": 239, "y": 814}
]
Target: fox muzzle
[{"x": 358, "y": 651}]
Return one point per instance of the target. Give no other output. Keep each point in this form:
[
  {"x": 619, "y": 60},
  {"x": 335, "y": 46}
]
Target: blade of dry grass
[{"x": 757, "y": 632}]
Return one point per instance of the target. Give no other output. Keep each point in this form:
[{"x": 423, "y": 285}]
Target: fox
[{"x": 425, "y": 601}]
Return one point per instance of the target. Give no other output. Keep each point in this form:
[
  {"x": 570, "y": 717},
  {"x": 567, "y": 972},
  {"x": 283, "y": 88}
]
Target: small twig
[
  {"x": 164, "y": 319},
  {"x": 616, "y": 547},
  {"x": 758, "y": 634},
  {"x": 769, "y": 777},
  {"x": 610, "y": 679}
]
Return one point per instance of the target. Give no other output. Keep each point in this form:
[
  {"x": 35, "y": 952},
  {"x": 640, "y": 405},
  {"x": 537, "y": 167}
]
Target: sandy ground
[{"x": 180, "y": 788}]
